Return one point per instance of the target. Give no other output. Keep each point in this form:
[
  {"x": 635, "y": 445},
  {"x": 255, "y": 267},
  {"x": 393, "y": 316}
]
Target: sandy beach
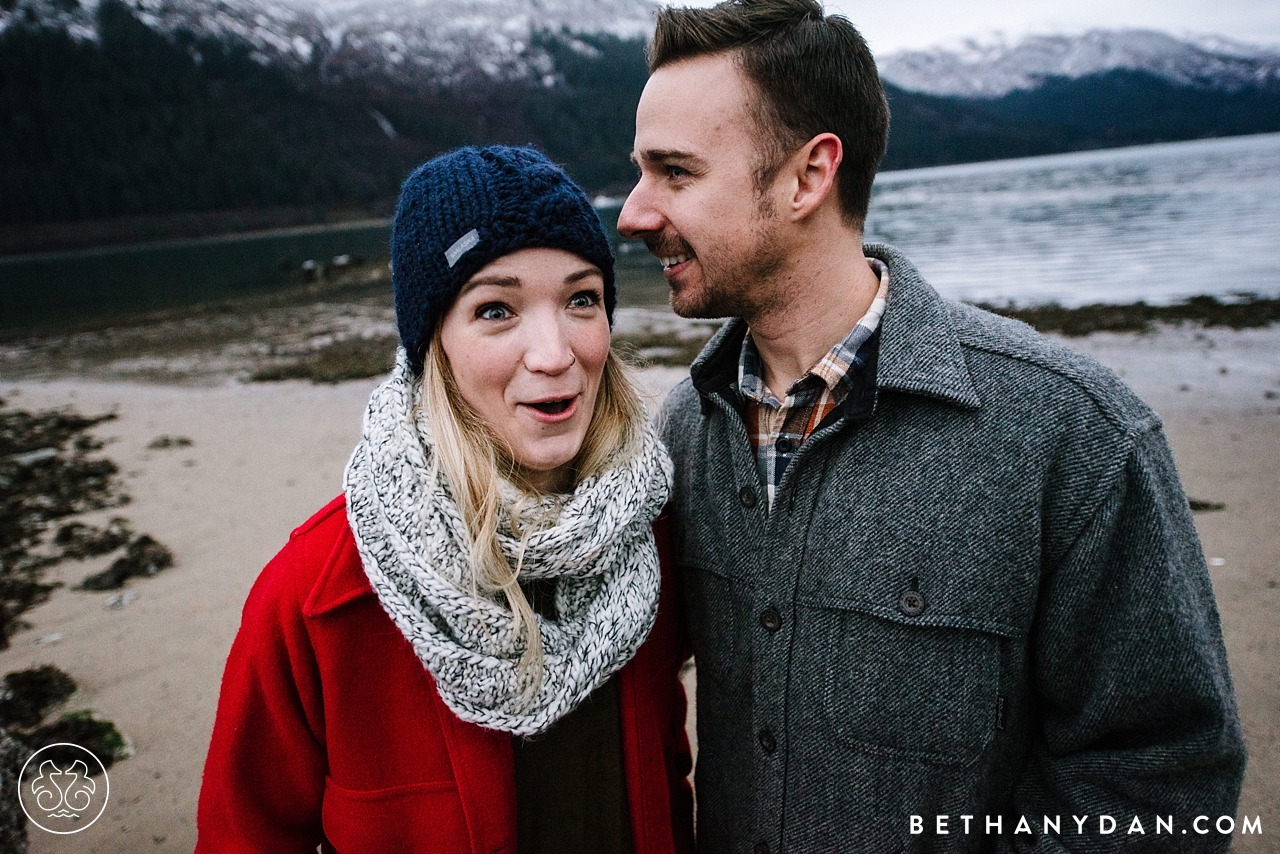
[{"x": 264, "y": 456}]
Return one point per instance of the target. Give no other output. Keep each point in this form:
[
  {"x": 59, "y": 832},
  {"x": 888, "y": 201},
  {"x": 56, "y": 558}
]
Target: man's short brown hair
[{"x": 813, "y": 73}]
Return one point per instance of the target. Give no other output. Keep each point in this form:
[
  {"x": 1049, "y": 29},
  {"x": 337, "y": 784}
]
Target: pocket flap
[
  {"x": 996, "y": 602},
  {"x": 420, "y": 817}
]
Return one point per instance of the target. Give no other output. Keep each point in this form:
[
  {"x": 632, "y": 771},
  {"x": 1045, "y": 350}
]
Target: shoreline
[
  {"x": 264, "y": 456},
  {"x": 273, "y": 336}
]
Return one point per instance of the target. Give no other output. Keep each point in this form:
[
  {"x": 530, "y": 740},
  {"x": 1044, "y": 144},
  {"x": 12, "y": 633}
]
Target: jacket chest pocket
[{"x": 899, "y": 688}]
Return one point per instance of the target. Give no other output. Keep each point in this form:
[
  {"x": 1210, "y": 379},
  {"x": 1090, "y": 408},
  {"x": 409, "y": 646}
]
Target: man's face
[{"x": 696, "y": 205}]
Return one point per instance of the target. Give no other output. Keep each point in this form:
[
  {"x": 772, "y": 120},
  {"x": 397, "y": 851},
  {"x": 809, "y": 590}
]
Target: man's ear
[{"x": 815, "y": 166}]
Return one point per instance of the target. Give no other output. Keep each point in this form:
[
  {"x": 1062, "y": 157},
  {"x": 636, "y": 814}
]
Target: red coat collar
[{"x": 341, "y": 579}]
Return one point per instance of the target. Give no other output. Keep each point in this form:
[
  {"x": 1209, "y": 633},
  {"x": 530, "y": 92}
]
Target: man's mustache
[{"x": 668, "y": 247}]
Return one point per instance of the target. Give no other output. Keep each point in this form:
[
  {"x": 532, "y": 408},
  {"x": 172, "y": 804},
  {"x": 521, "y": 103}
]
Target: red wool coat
[{"x": 330, "y": 731}]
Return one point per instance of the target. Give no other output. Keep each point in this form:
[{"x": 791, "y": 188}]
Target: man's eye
[
  {"x": 493, "y": 311},
  {"x": 584, "y": 299},
  {"x": 677, "y": 172}
]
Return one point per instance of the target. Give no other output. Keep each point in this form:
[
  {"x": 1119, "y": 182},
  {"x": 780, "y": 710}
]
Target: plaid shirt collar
[
  {"x": 831, "y": 372},
  {"x": 778, "y": 428}
]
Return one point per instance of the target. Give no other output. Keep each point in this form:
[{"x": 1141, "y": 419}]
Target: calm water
[
  {"x": 51, "y": 287},
  {"x": 1155, "y": 223}
]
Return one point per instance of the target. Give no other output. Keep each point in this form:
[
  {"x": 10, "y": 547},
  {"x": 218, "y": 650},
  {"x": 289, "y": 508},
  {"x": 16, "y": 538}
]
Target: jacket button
[
  {"x": 771, "y": 619},
  {"x": 761, "y": 848},
  {"x": 784, "y": 445},
  {"x": 747, "y": 496},
  {"x": 767, "y": 741},
  {"x": 912, "y": 603}
]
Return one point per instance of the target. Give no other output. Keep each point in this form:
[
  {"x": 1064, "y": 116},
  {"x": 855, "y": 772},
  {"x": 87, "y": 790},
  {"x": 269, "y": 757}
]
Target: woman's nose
[{"x": 548, "y": 347}]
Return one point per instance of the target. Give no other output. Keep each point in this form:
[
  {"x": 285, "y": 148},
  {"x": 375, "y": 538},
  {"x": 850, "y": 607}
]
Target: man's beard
[{"x": 741, "y": 287}]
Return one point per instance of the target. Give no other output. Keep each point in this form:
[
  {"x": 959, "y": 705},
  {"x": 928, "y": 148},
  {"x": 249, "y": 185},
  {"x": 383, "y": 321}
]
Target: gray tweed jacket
[{"x": 978, "y": 593}]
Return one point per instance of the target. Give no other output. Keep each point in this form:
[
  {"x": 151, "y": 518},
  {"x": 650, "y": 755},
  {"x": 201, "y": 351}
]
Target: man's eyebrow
[{"x": 665, "y": 155}]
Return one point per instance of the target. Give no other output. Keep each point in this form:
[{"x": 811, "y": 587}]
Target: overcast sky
[{"x": 891, "y": 25}]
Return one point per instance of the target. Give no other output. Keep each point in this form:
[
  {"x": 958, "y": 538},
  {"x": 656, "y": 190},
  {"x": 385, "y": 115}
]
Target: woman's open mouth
[{"x": 554, "y": 409}]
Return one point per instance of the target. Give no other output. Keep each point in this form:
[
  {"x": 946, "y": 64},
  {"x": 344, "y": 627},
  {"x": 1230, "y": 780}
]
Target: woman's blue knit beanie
[{"x": 471, "y": 206}]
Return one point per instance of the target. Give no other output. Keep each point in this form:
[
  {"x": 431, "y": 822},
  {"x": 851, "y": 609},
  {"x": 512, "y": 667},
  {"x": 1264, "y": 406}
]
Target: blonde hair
[{"x": 474, "y": 459}]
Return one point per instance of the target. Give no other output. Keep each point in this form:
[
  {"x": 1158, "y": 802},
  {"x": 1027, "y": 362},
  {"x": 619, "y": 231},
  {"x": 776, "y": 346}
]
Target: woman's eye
[
  {"x": 584, "y": 299},
  {"x": 493, "y": 311}
]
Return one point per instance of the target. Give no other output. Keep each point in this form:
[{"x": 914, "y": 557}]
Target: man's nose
[{"x": 638, "y": 216}]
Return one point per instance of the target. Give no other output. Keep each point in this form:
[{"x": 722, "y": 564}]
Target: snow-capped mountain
[
  {"x": 447, "y": 40},
  {"x": 440, "y": 40},
  {"x": 991, "y": 68}
]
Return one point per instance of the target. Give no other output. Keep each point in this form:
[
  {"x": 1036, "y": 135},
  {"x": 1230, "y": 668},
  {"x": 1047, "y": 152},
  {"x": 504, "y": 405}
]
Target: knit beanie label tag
[{"x": 461, "y": 246}]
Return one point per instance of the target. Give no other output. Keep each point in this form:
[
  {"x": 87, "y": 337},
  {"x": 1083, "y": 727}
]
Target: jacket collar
[
  {"x": 919, "y": 353},
  {"x": 341, "y": 580}
]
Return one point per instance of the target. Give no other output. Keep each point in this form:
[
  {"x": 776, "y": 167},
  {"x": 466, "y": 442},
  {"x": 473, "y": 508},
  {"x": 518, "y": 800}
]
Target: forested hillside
[
  {"x": 1098, "y": 111},
  {"x": 139, "y": 122}
]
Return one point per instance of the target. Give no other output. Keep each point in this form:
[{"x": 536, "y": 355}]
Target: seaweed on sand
[
  {"x": 1248, "y": 312},
  {"x": 144, "y": 556},
  {"x": 82, "y": 728},
  {"x": 27, "y": 697},
  {"x": 48, "y": 472},
  {"x": 346, "y": 359},
  {"x": 78, "y": 540}
]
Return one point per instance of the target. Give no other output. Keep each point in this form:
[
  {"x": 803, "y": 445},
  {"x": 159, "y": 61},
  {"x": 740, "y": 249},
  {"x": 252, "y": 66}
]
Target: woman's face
[{"x": 527, "y": 339}]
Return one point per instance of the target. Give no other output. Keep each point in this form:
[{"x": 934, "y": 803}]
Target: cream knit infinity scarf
[{"x": 413, "y": 544}]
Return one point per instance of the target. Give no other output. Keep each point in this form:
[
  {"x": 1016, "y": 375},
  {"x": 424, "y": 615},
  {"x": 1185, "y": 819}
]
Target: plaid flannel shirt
[{"x": 779, "y": 427}]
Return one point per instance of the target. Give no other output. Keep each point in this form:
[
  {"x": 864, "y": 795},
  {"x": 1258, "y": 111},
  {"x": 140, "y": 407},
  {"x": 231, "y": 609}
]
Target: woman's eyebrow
[
  {"x": 584, "y": 273},
  {"x": 499, "y": 281},
  {"x": 514, "y": 281}
]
